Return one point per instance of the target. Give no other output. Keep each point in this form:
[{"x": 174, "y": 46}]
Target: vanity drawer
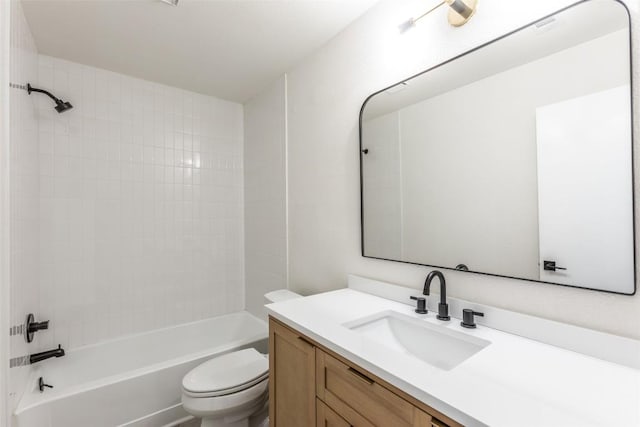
[
  {"x": 326, "y": 417},
  {"x": 344, "y": 388}
]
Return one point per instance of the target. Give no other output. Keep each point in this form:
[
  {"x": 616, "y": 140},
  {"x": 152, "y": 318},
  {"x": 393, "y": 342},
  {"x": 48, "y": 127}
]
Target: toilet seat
[
  {"x": 242, "y": 403},
  {"x": 225, "y": 392},
  {"x": 227, "y": 374}
]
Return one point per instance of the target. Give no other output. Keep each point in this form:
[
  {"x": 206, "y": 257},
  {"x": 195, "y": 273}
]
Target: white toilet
[
  {"x": 231, "y": 390},
  {"x": 228, "y": 390}
]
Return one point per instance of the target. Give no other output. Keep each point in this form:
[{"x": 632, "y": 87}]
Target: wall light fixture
[{"x": 460, "y": 12}]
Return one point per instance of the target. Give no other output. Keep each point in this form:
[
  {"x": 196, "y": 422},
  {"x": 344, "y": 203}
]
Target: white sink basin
[{"x": 433, "y": 344}]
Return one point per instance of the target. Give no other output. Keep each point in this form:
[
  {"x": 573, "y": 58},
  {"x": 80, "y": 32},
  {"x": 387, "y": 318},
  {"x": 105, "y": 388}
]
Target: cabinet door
[
  {"x": 292, "y": 401},
  {"x": 326, "y": 417}
]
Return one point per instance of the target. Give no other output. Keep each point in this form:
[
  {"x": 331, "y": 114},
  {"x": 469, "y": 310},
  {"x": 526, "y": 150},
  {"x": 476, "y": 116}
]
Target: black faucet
[
  {"x": 39, "y": 357},
  {"x": 443, "y": 307}
]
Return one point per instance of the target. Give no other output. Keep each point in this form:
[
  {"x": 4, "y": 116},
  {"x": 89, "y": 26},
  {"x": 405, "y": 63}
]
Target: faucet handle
[
  {"x": 32, "y": 327},
  {"x": 468, "y": 320},
  {"x": 421, "y": 306}
]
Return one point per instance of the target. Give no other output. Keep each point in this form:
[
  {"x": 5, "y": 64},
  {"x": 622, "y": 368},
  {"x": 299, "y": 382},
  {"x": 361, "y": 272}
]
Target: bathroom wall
[
  {"x": 265, "y": 194},
  {"x": 23, "y": 196},
  {"x": 325, "y": 93},
  {"x": 141, "y": 205}
]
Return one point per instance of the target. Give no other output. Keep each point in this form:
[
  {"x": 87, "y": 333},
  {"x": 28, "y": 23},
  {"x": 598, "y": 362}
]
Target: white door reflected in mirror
[{"x": 582, "y": 142}]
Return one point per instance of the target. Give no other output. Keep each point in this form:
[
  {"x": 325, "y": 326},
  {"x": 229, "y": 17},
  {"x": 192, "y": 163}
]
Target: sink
[{"x": 436, "y": 345}]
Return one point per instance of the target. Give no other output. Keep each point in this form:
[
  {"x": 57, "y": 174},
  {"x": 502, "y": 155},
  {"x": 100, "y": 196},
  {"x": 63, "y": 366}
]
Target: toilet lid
[{"x": 230, "y": 372}]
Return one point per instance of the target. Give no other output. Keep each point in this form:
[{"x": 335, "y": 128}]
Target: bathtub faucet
[{"x": 39, "y": 357}]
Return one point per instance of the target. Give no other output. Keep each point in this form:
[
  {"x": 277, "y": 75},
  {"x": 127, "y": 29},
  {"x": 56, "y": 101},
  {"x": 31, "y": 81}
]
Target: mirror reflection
[{"x": 513, "y": 160}]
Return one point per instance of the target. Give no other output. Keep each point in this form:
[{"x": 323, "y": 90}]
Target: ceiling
[{"x": 226, "y": 48}]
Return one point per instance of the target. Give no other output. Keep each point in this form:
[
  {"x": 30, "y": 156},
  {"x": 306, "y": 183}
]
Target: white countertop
[{"x": 513, "y": 382}]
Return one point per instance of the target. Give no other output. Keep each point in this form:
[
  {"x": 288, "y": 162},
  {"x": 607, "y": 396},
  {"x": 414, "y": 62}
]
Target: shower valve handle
[{"x": 33, "y": 326}]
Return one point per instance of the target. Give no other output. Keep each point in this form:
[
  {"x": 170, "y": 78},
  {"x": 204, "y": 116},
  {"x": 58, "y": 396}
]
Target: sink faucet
[{"x": 443, "y": 307}]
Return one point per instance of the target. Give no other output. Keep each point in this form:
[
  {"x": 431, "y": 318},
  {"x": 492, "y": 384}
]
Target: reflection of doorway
[
  {"x": 382, "y": 192},
  {"x": 585, "y": 206}
]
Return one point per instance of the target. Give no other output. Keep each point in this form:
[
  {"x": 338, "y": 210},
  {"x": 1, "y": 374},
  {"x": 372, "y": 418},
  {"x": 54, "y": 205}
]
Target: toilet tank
[
  {"x": 280, "y": 295},
  {"x": 277, "y": 296}
]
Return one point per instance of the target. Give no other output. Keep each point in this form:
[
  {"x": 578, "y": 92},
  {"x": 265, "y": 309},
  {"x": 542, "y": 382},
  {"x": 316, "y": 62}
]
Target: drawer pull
[{"x": 361, "y": 376}]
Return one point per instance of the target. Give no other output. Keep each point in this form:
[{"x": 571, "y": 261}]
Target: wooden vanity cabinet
[
  {"x": 292, "y": 392},
  {"x": 311, "y": 385}
]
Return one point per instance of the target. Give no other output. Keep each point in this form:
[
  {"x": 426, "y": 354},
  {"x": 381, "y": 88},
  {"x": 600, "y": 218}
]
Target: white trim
[
  {"x": 5, "y": 52},
  {"x": 286, "y": 178},
  {"x": 243, "y": 241}
]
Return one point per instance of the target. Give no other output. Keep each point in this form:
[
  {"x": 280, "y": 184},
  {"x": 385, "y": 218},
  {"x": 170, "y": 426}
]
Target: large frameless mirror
[{"x": 514, "y": 159}]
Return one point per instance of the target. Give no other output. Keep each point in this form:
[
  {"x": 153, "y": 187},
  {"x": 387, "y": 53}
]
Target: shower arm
[{"x": 33, "y": 89}]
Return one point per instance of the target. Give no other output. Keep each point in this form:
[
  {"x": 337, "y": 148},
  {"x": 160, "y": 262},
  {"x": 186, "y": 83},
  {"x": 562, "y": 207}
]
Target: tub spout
[{"x": 39, "y": 357}]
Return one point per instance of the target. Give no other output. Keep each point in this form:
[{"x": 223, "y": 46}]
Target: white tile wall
[
  {"x": 141, "y": 205},
  {"x": 23, "y": 189}
]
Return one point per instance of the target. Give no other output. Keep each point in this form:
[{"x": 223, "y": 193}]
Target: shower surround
[
  {"x": 141, "y": 205},
  {"x": 126, "y": 212}
]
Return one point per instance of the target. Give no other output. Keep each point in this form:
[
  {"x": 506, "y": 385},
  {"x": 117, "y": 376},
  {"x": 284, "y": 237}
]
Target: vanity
[
  {"x": 361, "y": 356},
  {"x": 330, "y": 390}
]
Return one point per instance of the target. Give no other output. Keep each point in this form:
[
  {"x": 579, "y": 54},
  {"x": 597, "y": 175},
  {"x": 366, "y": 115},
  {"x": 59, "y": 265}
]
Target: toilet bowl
[{"x": 231, "y": 390}]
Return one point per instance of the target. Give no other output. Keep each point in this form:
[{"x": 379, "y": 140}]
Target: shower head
[{"x": 61, "y": 106}]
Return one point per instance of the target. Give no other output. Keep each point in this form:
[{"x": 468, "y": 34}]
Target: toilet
[
  {"x": 231, "y": 390},
  {"x": 228, "y": 390}
]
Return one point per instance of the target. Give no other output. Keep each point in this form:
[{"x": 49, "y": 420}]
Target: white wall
[
  {"x": 265, "y": 195},
  {"x": 141, "y": 205},
  {"x": 325, "y": 93},
  {"x": 23, "y": 196}
]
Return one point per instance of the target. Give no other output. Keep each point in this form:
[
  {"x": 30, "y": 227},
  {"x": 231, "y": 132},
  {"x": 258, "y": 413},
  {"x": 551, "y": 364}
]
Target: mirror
[{"x": 514, "y": 159}]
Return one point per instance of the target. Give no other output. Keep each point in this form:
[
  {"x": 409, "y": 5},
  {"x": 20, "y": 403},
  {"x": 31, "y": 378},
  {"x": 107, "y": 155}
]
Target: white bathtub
[{"x": 133, "y": 381}]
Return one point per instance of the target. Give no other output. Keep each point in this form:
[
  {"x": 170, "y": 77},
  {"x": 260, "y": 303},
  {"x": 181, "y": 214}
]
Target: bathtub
[{"x": 133, "y": 381}]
